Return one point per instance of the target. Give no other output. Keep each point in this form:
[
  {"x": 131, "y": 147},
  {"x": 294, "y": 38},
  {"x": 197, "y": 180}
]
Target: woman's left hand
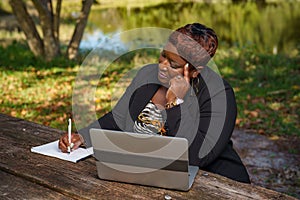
[{"x": 179, "y": 85}]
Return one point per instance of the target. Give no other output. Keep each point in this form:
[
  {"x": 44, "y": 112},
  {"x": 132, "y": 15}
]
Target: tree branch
[
  {"x": 51, "y": 47},
  {"x": 78, "y": 32},
  {"x": 57, "y": 19}
]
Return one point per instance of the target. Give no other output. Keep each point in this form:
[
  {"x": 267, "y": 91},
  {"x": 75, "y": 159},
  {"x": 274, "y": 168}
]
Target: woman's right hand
[
  {"x": 179, "y": 85},
  {"x": 76, "y": 139}
]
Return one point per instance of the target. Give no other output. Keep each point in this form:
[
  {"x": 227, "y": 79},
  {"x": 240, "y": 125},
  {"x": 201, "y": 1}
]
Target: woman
[{"x": 180, "y": 97}]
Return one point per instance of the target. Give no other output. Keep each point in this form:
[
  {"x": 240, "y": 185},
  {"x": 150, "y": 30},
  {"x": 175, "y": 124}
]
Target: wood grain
[
  {"x": 14, "y": 187},
  {"x": 58, "y": 178}
]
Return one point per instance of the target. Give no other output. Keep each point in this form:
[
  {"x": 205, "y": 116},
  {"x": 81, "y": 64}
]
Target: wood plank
[
  {"x": 80, "y": 180},
  {"x": 12, "y": 187},
  {"x": 48, "y": 171}
]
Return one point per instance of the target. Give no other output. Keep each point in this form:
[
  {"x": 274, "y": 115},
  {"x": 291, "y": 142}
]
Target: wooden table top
[{"x": 26, "y": 175}]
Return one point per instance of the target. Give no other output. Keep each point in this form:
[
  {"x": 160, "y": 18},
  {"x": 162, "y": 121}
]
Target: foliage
[{"x": 271, "y": 27}]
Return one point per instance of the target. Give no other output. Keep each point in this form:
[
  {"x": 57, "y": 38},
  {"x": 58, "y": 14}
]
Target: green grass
[
  {"x": 38, "y": 91},
  {"x": 266, "y": 86},
  {"x": 33, "y": 89},
  {"x": 267, "y": 90}
]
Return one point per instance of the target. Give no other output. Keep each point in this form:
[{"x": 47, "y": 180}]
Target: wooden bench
[{"x": 26, "y": 175}]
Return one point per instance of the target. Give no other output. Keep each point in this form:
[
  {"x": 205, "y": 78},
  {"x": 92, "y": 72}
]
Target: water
[
  {"x": 266, "y": 28},
  {"x": 97, "y": 39}
]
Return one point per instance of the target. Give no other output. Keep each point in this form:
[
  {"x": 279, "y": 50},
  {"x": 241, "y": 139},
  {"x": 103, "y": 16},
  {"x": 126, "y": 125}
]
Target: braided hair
[{"x": 195, "y": 43}]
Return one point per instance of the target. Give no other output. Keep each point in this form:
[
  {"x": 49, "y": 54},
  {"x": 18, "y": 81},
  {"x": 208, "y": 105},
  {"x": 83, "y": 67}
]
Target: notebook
[
  {"x": 51, "y": 149},
  {"x": 144, "y": 159}
]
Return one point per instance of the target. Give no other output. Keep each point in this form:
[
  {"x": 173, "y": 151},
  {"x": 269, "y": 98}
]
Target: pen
[{"x": 69, "y": 135}]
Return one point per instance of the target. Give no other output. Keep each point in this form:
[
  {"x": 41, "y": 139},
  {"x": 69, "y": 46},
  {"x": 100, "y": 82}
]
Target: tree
[{"x": 48, "y": 46}]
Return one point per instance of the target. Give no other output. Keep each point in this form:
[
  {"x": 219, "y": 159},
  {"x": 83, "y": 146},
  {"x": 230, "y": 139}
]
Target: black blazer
[{"x": 207, "y": 119}]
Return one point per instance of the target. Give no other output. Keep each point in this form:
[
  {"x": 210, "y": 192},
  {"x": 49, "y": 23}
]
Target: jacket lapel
[{"x": 141, "y": 97}]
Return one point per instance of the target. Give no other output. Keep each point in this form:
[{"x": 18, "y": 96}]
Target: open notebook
[{"x": 51, "y": 149}]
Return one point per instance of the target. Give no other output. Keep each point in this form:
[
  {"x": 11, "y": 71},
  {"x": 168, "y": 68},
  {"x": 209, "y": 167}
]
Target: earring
[
  {"x": 192, "y": 92},
  {"x": 195, "y": 87}
]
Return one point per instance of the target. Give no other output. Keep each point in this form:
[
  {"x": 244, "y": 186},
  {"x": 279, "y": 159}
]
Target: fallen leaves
[
  {"x": 274, "y": 137},
  {"x": 275, "y": 105},
  {"x": 45, "y": 95},
  {"x": 252, "y": 113}
]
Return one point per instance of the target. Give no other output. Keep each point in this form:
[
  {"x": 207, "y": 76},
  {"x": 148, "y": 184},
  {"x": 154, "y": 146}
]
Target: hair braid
[{"x": 195, "y": 43}]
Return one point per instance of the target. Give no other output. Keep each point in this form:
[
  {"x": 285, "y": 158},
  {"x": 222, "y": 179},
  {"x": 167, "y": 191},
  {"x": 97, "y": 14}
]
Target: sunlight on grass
[
  {"x": 275, "y": 105},
  {"x": 266, "y": 86},
  {"x": 44, "y": 94},
  {"x": 227, "y": 71},
  {"x": 267, "y": 90},
  {"x": 37, "y": 95}
]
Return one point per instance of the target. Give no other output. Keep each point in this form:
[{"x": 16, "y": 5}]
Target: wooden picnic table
[{"x": 27, "y": 175}]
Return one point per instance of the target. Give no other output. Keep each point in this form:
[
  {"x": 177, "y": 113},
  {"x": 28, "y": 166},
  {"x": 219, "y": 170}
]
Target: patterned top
[{"x": 150, "y": 121}]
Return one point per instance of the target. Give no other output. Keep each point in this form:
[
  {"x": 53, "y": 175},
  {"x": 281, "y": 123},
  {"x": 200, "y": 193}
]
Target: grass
[
  {"x": 267, "y": 90},
  {"x": 42, "y": 92},
  {"x": 35, "y": 90},
  {"x": 266, "y": 86}
]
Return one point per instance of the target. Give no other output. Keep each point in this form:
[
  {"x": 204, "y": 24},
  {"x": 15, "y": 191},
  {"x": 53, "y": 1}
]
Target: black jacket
[{"x": 207, "y": 119}]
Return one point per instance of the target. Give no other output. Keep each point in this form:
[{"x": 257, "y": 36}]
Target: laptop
[{"x": 144, "y": 159}]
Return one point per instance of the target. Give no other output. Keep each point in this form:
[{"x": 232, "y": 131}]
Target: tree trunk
[
  {"x": 33, "y": 38},
  {"x": 57, "y": 20},
  {"x": 78, "y": 32},
  {"x": 48, "y": 46},
  {"x": 51, "y": 47}
]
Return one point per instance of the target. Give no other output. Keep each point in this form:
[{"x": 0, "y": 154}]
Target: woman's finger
[
  {"x": 76, "y": 140},
  {"x": 65, "y": 140},
  {"x": 186, "y": 72},
  {"x": 76, "y": 144},
  {"x": 61, "y": 145}
]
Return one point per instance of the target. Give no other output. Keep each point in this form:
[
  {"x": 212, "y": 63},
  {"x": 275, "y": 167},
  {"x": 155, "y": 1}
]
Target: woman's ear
[{"x": 196, "y": 72}]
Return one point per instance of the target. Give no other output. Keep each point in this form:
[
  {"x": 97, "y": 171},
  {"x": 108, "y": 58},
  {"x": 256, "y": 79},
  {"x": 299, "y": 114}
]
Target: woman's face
[{"x": 170, "y": 64}]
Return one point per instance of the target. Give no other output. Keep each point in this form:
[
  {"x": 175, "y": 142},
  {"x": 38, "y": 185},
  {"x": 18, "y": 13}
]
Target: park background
[{"x": 258, "y": 55}]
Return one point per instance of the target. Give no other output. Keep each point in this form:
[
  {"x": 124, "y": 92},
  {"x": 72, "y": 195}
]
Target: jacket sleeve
[
  {"x": 116, "y": 118},
  {"x": 207, "y": 121},
  {"x": 113, "y": 120}
]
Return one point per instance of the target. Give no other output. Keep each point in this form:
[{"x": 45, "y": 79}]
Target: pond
[{"x": 264, "y": 27}]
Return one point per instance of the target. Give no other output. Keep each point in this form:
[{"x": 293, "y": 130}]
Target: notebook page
[{"x": 51, "y": 149}]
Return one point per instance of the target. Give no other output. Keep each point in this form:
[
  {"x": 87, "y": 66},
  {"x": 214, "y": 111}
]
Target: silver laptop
[{"x": 144, "y": 159}]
